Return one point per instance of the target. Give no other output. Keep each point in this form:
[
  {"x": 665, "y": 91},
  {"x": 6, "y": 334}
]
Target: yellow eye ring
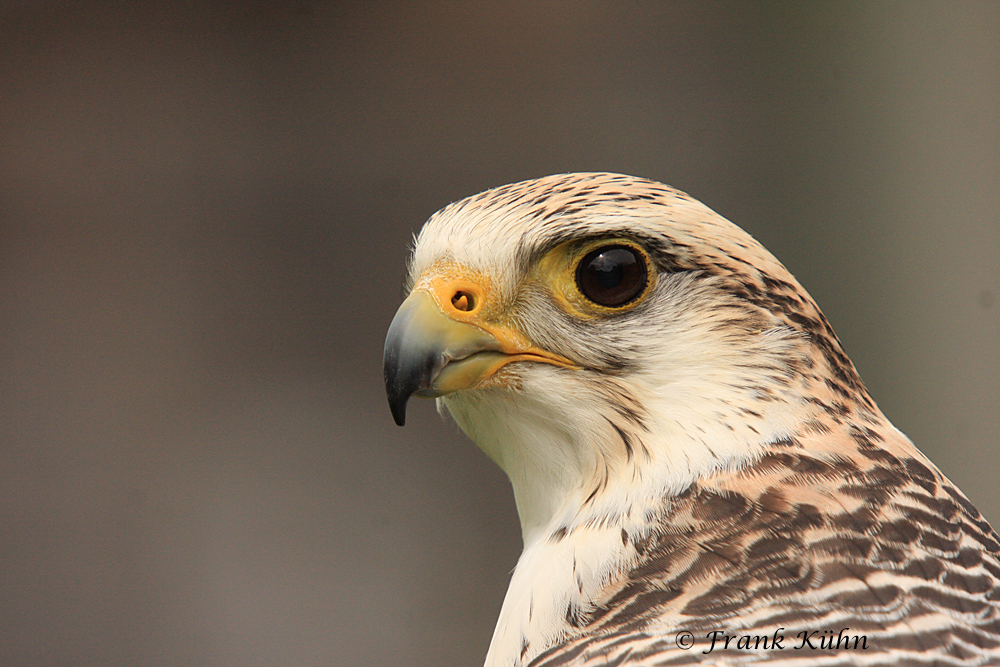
[{"x": 597, "y": 277}]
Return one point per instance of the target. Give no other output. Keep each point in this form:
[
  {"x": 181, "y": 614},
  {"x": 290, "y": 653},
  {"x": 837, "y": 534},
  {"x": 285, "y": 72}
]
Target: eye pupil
[{"x": 612, "y": 276}]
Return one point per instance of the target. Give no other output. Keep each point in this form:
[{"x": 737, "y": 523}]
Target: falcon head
[{"x": 606, "y": 338}]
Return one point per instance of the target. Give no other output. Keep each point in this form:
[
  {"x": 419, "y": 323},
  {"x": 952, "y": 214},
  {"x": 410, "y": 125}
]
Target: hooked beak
[{"x": 440, "y": 342}]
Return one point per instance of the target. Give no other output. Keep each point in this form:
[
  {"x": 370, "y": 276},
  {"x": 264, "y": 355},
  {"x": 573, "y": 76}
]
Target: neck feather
[{"x": 579, "y": 479}]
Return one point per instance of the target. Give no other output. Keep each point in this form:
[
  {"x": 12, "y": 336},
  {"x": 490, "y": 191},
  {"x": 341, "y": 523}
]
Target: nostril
[{"x": 463, "y": 301}]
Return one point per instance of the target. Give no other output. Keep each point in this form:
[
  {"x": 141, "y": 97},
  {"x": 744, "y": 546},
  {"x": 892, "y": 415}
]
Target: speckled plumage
[{"x": 714, "y": 462}]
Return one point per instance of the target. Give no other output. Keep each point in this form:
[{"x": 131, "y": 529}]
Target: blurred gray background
[{"x": 205, "y": 210}]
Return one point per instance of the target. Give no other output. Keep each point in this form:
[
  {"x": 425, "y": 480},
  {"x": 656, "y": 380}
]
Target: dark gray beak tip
[
  {"x": 396, "y": 388},
  {"x": 398, "y": 410},
  {"x": 398, "y": 398}
]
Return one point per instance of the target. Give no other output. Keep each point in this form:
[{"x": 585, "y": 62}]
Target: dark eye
[{"x": 612, "y": 276}]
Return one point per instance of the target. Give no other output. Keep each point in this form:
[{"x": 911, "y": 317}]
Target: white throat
[{"x": 576, "y": 484}]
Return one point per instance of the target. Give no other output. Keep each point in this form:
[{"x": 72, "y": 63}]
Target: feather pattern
[
  {"x": 848, "y": 530},
  {"x": 715, "y": 463}
]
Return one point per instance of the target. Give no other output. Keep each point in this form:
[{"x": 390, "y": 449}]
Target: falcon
[{"x": 700, "y": 474}]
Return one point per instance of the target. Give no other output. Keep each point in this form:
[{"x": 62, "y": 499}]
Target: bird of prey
[{"x": 700, "y": 474}]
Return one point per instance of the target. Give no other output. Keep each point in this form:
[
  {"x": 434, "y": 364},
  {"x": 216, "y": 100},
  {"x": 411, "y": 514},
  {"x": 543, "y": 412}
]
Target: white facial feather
[{"x": 691, "y": 372}]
